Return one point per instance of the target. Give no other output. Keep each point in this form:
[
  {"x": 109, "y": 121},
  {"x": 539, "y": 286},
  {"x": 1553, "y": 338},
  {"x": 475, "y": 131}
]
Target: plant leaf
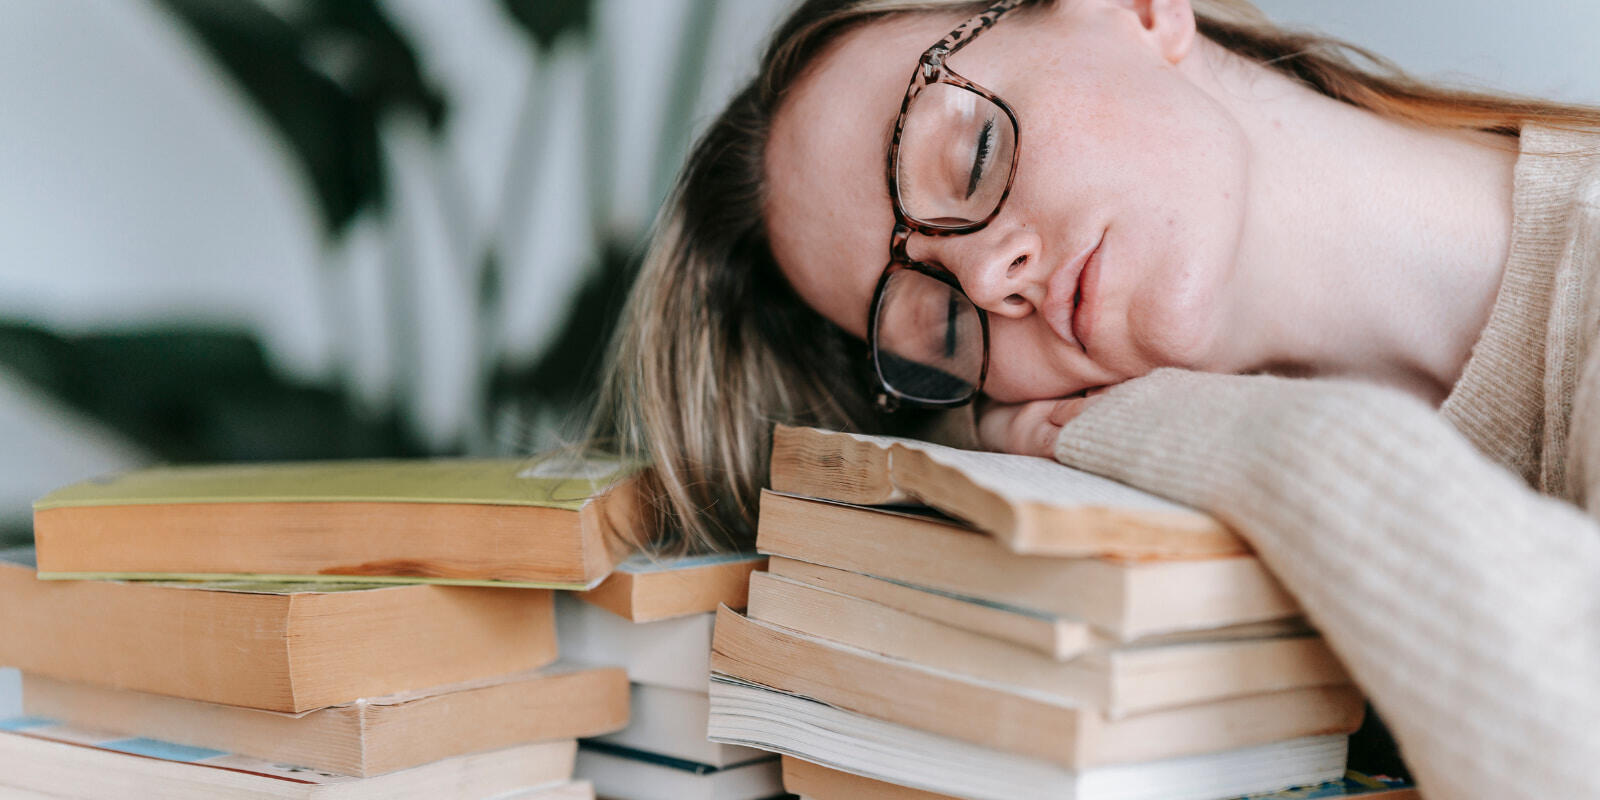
[
  {"x": 324, "y": 78},
  {"x": 546, "y": 20}
]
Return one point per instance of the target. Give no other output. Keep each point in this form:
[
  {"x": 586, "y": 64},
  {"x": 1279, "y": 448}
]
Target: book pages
[{"x": 1034, "y": 505}]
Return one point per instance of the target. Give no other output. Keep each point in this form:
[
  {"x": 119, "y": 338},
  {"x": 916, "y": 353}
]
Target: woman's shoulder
[
  {"x": 1555, "y": 271},
  {"x": 1577, "y": 292},
  {"x": 1563, "y": 161}
]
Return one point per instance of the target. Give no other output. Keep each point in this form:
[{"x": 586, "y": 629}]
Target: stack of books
[
  {"x": 1071, "y": 637},
  {"x": 364, "y": 629},
  {"x": 654, "y": 618}
]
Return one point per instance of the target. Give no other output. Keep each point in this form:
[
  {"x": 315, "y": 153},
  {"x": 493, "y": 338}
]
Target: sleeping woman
[{"x": 1256, "y": 271}]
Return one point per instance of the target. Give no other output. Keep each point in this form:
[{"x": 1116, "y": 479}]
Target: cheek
[
  {"x": 1022, "y": 363},
  {"x": 1183, "y": 236},
  {"x": 1173, "y": 322}
]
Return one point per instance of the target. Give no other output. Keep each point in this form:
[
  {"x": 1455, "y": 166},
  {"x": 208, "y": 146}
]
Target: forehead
[{"x": 827, "y": 201}]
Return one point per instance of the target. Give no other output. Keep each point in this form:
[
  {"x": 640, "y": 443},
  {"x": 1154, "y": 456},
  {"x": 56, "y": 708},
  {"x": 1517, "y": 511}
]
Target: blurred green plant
[
  {"x": 326, "y": 75},
  {"x": 555, "y": 388},
  {"x": 195, "y": 395}
]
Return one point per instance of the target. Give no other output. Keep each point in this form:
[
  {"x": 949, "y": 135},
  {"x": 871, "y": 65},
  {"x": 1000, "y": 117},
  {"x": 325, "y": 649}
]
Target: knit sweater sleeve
[{"x": 1465, "y": 604}]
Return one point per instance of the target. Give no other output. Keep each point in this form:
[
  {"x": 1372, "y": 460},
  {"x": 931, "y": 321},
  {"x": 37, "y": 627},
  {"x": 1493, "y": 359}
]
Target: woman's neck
[{"x": 1373, "y": 248}]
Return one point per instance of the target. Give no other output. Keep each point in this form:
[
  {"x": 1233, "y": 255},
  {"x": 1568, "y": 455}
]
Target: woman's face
[{"x": 1126, "y": 164}]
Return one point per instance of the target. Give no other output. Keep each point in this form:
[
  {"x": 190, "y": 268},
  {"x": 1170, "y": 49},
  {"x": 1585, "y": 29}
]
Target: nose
[{"x": 999, "y": 268}]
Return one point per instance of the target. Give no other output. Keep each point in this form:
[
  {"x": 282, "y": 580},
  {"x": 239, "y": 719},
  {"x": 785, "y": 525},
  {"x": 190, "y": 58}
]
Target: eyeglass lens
[
  {"x": 955, "y": 156},
  {"x": 929, "y": 339},
  {"x": 954, "y": 162}
]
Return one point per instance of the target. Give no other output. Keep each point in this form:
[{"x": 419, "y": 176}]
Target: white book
[
  {"x": 743, "y": 713},
  {"x": 674, "y": 653},
  {"x": 10, "y": 692},
  {"x": 567, "y": 790},
  {"x": 672, "y": 722},
  {"x": 620, "y": 774},
  {"x": 42, "y": 756}
]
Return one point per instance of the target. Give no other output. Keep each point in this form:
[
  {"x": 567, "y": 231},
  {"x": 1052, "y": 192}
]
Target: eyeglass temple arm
[{"x": 969, "y": 30}]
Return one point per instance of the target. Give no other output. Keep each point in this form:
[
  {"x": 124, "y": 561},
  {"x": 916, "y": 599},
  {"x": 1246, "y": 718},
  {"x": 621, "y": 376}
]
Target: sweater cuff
[{"x": 1167, "y": 432}]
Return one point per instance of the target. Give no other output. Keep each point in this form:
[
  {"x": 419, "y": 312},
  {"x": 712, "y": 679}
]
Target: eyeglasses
[{"x": 951, "y": 163}]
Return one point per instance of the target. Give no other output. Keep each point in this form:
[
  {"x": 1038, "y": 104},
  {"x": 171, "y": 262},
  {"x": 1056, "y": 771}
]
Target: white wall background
[
  {"x": 1545, "y": 48},
  {"x": 137, "y": 185}
]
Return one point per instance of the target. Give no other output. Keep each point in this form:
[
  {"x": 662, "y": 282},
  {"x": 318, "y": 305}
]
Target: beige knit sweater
[{"x": 1451, "y": 556}]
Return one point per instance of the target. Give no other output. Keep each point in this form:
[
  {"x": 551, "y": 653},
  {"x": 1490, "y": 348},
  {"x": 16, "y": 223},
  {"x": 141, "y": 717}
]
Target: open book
[{"x": 1033, "y": 505}]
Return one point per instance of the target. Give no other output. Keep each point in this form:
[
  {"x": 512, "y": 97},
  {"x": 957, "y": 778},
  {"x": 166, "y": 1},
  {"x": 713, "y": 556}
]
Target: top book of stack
[
  {"x": 1033, "y": 506},
  {"x": 550, "y": 523}
]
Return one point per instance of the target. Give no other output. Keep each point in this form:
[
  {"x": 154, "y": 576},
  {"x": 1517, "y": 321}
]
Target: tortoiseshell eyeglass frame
[{"x": 931, "y": 70}]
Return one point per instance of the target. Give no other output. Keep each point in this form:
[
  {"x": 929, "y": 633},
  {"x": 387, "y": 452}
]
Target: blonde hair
[{"x": 715, "y": 347}]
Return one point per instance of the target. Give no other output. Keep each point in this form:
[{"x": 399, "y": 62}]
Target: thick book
[
  {"x": 795, "y": 725},
  {"x": 646, "y": 588},
  {"x": 554, "y": 523},
  {"x": 816, "y": 782},
  {"x": 1033, "y": 505},
  {"x": 627, "y": 774},
  {"x": 46, "y": 757},
  {"x": 1126, "y": 599},
  {"x": 1117, "y": 682},
  {"x": 1059, "y": 637},
  {"x": 1010, "y": 719},
  {"x": 373, "y": 736},
  {"x": 278, "y": 647},
  {"x": 672, "y": 723}
]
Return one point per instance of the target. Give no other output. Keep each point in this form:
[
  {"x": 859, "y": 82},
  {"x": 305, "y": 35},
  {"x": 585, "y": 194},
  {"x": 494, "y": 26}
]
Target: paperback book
[
  {"x": 624, "y": 773},
  {"x": 1009, "y": 718},
  {"x": 550, "y": 522},
  {"x": 1126, "y": 599},
  {"x": 1118, "y": 681},
  {"x": 230, "y": 642},
  {"x": 646, "y": 588},
  {"x": 43, "y": 756},
  {"x": 1033, "y": 505},
  {"x": 856, "y": 743},
  {"x": 372, "y": 736}
]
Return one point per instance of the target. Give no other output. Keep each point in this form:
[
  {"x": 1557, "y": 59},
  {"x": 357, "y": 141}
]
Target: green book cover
[
  {"x": 23, "y": 557},
  {"x": 547, "y": 482},
  {"x": 558, "y": 481}
]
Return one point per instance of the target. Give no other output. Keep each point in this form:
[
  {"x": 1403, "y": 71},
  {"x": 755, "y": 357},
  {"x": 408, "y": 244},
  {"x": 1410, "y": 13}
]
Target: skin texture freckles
[{"x": 1117, "y": 141}]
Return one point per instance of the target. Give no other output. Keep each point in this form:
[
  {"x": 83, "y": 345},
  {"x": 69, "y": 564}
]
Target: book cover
[
  {"x": 372, "y": 736},
  {"x": 43, "y": 755},
  {"x": 547, "y": 522},
  {"x": 230, "y": 642},
  {"x": 1033, "y": 505},
  {"x": 647, "y": 588}
]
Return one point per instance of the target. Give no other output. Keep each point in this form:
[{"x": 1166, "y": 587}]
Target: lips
[{"x": 1068, "y": 295}]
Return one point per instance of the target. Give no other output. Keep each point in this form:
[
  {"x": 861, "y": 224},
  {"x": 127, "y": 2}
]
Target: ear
[{"x": 1168, "y": 24}]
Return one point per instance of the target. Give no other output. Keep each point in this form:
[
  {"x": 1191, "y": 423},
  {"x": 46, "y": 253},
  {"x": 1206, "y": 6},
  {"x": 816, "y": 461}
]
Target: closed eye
[{"x": 981, "y": 159}]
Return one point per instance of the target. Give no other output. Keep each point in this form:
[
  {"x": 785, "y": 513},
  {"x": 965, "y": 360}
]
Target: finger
[
  {"x": 1031, "y": 432},
  {"x": 994, "y": 426},
  {"x": 1065, "y": 410},
  {"x": 1043, "y": 436}
]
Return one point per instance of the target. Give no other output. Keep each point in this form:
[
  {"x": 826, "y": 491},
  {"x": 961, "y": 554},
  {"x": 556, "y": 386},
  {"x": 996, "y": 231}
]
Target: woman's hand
[{"x": 1028, "y": 429}]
